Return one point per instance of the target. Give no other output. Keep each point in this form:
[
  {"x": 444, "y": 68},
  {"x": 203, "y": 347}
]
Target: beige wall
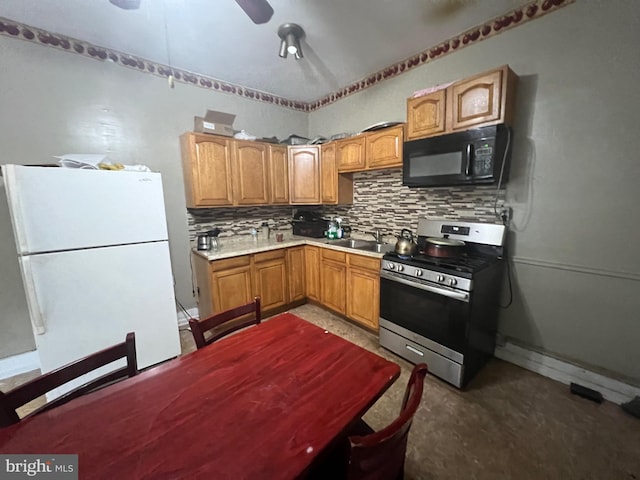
[
  {"x": 54, "y": 102},
  {"x": 575, "y": 171}
]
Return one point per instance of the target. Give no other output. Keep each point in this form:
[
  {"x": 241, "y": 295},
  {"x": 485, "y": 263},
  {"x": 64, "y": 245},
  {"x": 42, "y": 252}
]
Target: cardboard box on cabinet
[{"x": 218, "y": 123}]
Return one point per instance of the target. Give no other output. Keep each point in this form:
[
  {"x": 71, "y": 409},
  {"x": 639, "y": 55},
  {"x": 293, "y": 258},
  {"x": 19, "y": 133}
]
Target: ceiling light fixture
[{"x": 291, "y": 34}]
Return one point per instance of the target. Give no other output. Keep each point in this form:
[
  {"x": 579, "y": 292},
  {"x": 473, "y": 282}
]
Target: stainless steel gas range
[{"x": 443, "y": 310}]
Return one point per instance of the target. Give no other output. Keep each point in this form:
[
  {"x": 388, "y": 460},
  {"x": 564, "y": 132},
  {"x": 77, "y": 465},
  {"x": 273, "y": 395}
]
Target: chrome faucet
[{"x": 377, "y": 234}]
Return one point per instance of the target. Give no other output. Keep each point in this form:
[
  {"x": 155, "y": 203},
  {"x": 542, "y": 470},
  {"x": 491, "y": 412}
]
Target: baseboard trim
[
  {"x": 183, "y": 319},
  {"x": 613, "y": 390},
  {"x": 17, "y": 364}
]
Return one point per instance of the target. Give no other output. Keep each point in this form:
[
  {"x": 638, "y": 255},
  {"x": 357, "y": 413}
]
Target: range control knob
[
  {"x": 452, "y": 281},
  {"x": 400, "y": 268},
  {"x": 418, "y": 273},
  {"x": 440, "y": 278},
  {"x": 391, "y": 266}
]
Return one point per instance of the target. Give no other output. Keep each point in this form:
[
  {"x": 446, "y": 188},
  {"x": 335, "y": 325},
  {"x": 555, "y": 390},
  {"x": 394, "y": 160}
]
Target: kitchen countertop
[{"x": 231, "y": 247}]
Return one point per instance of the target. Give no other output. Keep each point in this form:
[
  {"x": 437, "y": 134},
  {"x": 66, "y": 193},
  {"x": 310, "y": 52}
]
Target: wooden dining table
[{"x": 260, "y": 404}]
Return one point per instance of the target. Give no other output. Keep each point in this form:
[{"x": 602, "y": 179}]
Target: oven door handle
[{"x": 463, "y": 296}]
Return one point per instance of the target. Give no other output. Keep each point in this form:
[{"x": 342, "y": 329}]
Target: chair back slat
[
  {"x": 39, "y": 386},
  {"x": 222, "y": 323},
  {"x": 380, "y": 455}
]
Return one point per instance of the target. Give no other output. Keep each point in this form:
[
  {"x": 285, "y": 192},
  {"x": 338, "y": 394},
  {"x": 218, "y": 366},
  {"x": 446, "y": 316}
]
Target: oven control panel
[{"x": 422, "y": 274}]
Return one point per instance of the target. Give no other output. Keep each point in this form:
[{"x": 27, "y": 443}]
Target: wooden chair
[
  {"x": 371, "y": 455},
  {"x": 222, "y": 324},
  {"x": 37, "y": 387}
]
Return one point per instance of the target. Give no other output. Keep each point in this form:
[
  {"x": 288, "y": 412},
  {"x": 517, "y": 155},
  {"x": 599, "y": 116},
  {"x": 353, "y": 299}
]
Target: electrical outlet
[{"x": 505, "y": 214}]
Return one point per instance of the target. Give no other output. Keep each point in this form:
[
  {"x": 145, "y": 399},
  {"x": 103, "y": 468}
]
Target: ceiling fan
[{"x": 259, "y": 11}]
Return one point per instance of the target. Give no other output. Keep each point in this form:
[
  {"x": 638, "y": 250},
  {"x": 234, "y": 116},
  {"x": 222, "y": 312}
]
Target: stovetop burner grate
[{"x": 463, "y": 263}]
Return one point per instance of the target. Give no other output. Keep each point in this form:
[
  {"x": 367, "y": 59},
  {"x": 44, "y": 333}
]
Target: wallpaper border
[{"x": 488, "y": 29}]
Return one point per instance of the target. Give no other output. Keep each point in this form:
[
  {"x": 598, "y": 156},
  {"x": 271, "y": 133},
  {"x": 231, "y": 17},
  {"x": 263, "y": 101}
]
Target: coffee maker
[{"x": 208, "y": 240}]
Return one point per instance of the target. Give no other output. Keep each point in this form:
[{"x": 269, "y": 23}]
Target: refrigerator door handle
[{"x": 37, "y": 319}]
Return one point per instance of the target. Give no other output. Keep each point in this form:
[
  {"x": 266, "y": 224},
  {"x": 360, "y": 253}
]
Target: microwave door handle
[{"x": 467, "y": 169}]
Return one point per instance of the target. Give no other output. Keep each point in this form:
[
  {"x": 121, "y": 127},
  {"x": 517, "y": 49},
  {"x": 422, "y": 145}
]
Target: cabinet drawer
[
  {"x": 362, "y": 261},
  {"x": 233, "y": 262},
  {"x": 270, "y": 255},
  {"x": 334, "y": 255}
]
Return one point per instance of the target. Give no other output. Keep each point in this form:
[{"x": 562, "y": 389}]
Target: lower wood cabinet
[
  {"x": 312, "y": 272},
  {"x": 231, "y": 283},
  {"x": 270, "y": 279},
  {"x": 363, "y": 290},
  {"x": 333, "y": 280},
  {"x": 296, "y": 273},
  {"x": 346, "y": 283}
]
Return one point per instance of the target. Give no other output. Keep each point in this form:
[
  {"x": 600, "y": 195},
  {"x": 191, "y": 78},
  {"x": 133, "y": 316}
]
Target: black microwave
[{"x": 478, "y": 156}]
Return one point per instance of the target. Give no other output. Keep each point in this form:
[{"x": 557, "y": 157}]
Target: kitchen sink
[
  {"x": 367, "y": 245},
  {"x": 376, "y": 247}
]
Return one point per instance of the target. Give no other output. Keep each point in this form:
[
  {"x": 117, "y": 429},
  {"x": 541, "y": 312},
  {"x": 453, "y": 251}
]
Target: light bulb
[{"x": 292, "y": 49}]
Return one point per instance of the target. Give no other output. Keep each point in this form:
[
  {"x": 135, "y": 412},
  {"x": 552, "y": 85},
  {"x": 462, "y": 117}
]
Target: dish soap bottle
[
  {"x": 332, "y": 232},
  {"x": 339, "y": 231}
]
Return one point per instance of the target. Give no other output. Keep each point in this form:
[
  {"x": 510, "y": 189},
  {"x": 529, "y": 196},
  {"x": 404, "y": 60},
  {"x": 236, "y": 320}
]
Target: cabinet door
[
  {"x": 333, "y": 279},
  {"x": 384, "y": 148},
  {"x": 329, "y": 173},
  {"x": 250, "y": 173},
  {"x": 304, "y": 175},
  {"x": 363, "y": 296},
  {"x": 203, "y": 290},
  {"x": 231, "y": 288},
  {"x": 270, "y": 280},
  {"x": 312, "y": 272},
  {"x": 476, "y": 101},
  {"x": 279, "y": 174},
  {"x": 206, "y": 162},
  {"x": 426, "y": 115},
  {"x": 350, "y": 154},
  {"x": 296, "y": 273}
]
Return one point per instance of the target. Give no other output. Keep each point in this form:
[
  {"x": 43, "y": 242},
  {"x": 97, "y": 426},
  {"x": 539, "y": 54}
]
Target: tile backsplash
[{"x": 380, "y": 201}]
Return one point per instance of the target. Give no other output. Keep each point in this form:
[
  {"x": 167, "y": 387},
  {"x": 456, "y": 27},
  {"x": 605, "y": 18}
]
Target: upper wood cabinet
[
  {"x": 484, "y": 99},
  {"x": 206, "y": 163},
  {"x": 335, "y": 188},
  {"x": 350, "y": 155},
  {"x": 279, "y": 174},
  {"x": 250, "y": 172},
  {"x": 329, "y": 173},
  {"x": 476, "y": 100},
  {"x": 370, "y": 151},
  {"x": 304, "y": 175},
  {"x": 426, "y": 114},
  {"x": 383, "y": 148},
  {"x": 221, "y": 171}
]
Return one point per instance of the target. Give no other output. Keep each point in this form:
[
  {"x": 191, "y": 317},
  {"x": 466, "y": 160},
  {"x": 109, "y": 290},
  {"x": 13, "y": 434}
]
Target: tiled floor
[{"x": 509, "y": 424}]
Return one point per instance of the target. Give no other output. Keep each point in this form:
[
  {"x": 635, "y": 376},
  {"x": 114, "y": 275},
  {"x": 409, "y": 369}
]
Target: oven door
[{"x": 436, "y": 313}]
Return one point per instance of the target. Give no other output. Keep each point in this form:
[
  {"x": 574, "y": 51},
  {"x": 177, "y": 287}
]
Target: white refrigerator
[{"x": 93, "y": 253}]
